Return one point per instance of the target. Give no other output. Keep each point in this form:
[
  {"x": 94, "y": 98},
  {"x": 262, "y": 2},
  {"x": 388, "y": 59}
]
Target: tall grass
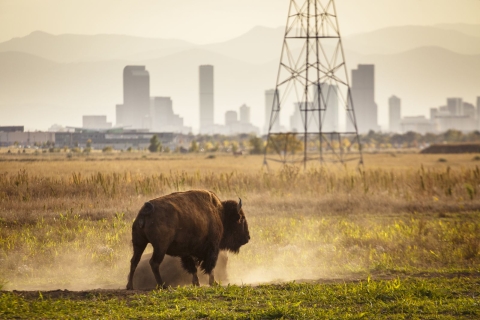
[{"x": 428, "y": 189}]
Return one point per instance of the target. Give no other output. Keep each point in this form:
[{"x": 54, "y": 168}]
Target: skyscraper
[
  {"x": 135, "y": 111},
  {"x": 271, "y": 97},
  {"x": 162, "y": 113},
  {"x": 394, "y": 115},
  {"x": 244, "y": 114},
  {"x": 206, "y": 98},
  {"x": 363, "y": 95},
  {"x": 329, "y": 107}
]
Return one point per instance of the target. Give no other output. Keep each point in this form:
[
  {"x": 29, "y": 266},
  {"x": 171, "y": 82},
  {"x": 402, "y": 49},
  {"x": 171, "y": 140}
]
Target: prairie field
[{"x": 396, "y": 238}]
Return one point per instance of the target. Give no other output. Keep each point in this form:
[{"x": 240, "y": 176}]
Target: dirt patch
[
  {"x": 452, "y": 148},
  {"x": 107, "y": 294}
]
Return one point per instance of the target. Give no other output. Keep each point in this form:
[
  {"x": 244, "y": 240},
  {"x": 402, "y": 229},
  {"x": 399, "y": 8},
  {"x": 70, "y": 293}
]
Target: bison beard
[{"x": 193, "y": 225}]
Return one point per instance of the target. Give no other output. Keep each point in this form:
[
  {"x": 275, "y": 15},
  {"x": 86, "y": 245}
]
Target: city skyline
[{"x": 235, "y": 83}]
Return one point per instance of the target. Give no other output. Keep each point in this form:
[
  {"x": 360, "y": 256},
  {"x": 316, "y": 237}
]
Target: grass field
[{"x": 399, "y": 238}]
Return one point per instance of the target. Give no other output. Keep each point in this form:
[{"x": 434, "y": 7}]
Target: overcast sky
[{"x": 213, "y": 20}]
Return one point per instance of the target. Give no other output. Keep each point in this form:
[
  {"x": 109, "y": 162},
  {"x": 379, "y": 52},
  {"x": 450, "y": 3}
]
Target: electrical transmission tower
[{"x": 312, "y": 77}]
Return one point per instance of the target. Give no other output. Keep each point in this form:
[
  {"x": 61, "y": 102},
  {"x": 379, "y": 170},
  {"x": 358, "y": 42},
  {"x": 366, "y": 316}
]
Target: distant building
[
  {"x": 454, "y": 106},
  {"x": 26, "y": 139},
  {"x": 163, "y": 117},
  {"x": 394, "y": 116},
  {"x": 324, "y": 108},
  {"x": 419, "y": 124},
  {"x": 297, "y": 120},
  {"x": 233, "y": 125},
  {"x": 12, "y": 129},
  {"x": 57, "y": 128},
  {"x": 457, "y": 115},
  {"x": 363, "y": 95},
  {"x": 443, "y": 123},
  {"x": 244, "y": 114},
  {"x": 468, "y": 110},
  {"x": 135, "y": 110},
  {"x": 329, "y": 108},
  {"x": 271, "y": 100},
  {"x": 161, "y": 112},
  {"x": 434, "y": 112},
  {"x": 231, "y": 118},
  {"x": 116, "y": 140},
  {"x": 95, "y": 122},
  {"x": 206, "y": 98}
]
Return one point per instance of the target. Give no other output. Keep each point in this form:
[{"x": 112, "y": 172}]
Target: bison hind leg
[
  {"x": 138, "y": 248},
  {"x": 189, "y": 264},
  {"x": 155, "y": 261}
]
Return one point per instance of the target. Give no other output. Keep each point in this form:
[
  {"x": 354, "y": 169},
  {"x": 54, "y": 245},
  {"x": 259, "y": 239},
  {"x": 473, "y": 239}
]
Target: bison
[{"x": 193, "y": 225}]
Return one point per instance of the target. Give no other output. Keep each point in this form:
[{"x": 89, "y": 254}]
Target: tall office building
[
  {"x": 206, "y": 99},
  {"x": 162, "y": 113},
  {"x": 135, "y": 111},
  {"x": 329, "y": 108},
  {"x": 394, "y": 115},
  {"x": 244, "y": 114},
  {"x": 363, "y": 95},
  {"x": 271, "y": 98}
]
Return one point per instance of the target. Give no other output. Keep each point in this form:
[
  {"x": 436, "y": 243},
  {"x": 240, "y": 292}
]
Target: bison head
[{"x": 235, "y": 226}]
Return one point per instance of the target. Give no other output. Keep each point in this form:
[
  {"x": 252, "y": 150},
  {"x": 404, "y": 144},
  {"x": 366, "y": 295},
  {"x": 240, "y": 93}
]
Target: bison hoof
[{"x": 162, "y": 287}]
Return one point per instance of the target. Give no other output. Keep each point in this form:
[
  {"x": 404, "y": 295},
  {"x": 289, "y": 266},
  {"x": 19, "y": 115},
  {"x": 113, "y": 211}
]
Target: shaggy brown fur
[{"x": 193, "y": 225}]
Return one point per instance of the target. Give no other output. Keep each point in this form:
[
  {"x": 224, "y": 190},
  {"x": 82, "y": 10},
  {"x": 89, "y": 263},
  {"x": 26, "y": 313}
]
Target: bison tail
[
  {"x": 148, "y": 206},
  {"x": 146, "y": 210}
]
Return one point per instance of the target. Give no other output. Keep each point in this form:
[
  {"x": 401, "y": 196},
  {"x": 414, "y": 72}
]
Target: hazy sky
[{"x": 213, "y": 20}]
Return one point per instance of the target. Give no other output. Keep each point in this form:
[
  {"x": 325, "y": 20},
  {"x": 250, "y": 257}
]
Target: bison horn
[{"x": 239, "y": 206}]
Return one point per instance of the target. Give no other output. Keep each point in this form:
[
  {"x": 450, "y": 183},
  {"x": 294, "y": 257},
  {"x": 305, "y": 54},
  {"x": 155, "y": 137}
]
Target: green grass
[{"x": 393, "y": 299}]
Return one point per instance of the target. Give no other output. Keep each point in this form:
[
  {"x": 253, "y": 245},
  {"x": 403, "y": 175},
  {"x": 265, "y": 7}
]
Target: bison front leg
[
  {"x": 209, "y": 264},
  {"x": 189, "y": 264}
]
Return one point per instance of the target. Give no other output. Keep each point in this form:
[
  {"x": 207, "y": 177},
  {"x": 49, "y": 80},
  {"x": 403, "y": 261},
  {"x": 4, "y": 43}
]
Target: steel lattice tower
[{"x": 313, "y": 77}]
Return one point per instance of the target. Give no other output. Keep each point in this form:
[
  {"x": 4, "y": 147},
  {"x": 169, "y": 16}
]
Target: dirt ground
[{"x": 125, "y": 294}]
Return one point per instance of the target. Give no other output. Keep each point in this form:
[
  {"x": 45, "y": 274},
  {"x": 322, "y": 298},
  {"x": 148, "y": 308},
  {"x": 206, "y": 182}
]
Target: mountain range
[{"x": 46, "y": 79}]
